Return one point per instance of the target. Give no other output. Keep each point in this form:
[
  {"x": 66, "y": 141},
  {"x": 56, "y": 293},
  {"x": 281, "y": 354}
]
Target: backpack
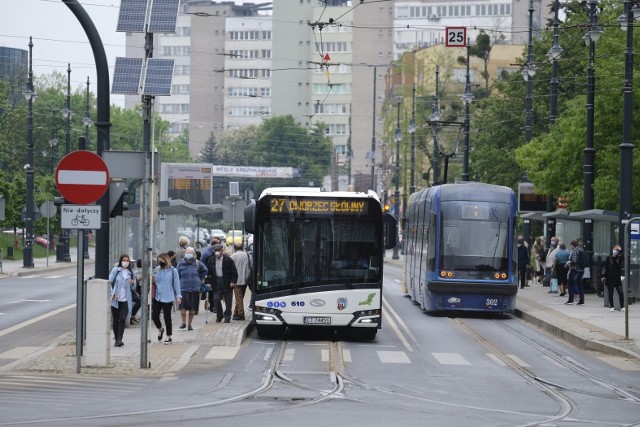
[
  {"x": 543, "y": 256},
  {"x": 583, "y": 259}
]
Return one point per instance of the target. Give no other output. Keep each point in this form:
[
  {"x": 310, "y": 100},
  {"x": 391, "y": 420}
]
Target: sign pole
[
  {"x": 79, "y": 300},
  {"x": 48, "y": 240}
]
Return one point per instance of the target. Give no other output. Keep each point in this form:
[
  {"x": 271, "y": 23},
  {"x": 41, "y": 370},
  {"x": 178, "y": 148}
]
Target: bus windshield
[
  {"x": 303, "y": 252},
  {"x": 475, "y": 236}
]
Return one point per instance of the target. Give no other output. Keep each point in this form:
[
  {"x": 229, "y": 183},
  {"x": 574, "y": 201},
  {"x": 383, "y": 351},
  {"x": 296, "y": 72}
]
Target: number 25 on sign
[{"x": 456, "y": 36}]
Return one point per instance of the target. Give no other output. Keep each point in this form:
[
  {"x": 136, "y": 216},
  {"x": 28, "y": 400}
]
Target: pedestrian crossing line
[
  {"x": 324, "y": 353},
  {"x": 222, "y": 353},
  {"x": 519, "y": 361},
  {"x": 451, "y": 359},
  {"x": 288, "y": 354},
  {"x": 393, "y": 356},
  {"x": 496, "y": 359},
  {"x": 346, "y": 356}
]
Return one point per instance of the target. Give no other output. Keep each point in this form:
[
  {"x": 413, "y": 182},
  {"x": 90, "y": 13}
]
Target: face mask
[
  {"x": 218, "y": 254},
  {"x": 520, "y": 241},
  {"x": 553, "y": 243},
  {"x": 615, "y": 252},
  {"x": 162, "y": 263},
  {"x": 125, "y": 264},
  {"x": 188, "y": 256}
]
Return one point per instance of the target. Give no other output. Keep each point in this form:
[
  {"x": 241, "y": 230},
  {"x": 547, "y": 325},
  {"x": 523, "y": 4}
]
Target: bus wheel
[{"x": 271, "y": 332}]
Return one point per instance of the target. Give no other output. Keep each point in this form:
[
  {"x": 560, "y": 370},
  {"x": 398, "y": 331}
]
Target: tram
[
  {"x": 460, "y": 245},
  {"x": 318, "y": 260}
]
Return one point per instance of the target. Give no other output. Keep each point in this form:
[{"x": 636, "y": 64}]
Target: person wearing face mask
[
  {"x": 550, "y": 261},
  {"x": 610, "y": 275},
  {"x": 223, "y": 277},
  {"x": 167, "y": 291},
  {"x": 523, "y": 261},
  {"x": 191, "y": 273},
  {"x": 122, "y": 281}
]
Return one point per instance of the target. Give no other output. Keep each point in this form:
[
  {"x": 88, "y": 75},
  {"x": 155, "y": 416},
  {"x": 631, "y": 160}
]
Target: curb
[
  {"x": 45, "y": 269},
  {"x": 574, "y": 338}
]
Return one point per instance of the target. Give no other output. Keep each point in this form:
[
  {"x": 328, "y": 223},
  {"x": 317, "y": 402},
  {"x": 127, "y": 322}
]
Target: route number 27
[{"x": 456, "y": 36}]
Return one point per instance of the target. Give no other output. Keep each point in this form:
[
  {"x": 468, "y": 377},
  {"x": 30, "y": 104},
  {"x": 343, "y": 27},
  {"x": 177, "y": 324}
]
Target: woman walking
[
  {"x": 167, "y": 291},
  {"x": 191, "y": 273},
  {"x": 122, "y": 281}
]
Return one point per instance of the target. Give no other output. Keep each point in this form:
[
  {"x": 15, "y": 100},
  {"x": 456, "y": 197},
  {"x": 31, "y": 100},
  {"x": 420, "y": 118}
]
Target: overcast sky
[{"x": 58, "y": 38}]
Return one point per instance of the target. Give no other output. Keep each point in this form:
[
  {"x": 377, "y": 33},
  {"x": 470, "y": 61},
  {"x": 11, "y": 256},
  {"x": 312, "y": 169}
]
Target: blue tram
[{"x": 460, "y": 243}]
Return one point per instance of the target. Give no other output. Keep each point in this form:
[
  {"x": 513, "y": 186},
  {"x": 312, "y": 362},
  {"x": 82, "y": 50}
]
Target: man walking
[
  {"x": 223, "y": 277},
  {"x": 243, "y": 263}
]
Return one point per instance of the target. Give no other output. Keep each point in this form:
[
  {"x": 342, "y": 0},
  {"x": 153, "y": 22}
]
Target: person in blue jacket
[
  {"x": 191, "y": 273},
  {"x": 122, "y": 281},
  {"x": 166, "y": 291}
]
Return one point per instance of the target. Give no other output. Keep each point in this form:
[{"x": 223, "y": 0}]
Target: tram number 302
[{"x": 491, "y": 302}]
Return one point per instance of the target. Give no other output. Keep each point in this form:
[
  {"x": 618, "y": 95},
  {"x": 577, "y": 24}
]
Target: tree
[
  {"x": 482, "y": 50},
  {"x": 208, "y": 151}
]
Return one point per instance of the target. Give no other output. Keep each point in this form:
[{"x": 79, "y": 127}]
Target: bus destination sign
[{"x": 318, "y": 206}]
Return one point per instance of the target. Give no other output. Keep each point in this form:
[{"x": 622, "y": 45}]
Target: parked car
[
  {"x": 216, "y": 232},
  {"x": 42, "y": 242},
  {"x": 233, "y": 237}
]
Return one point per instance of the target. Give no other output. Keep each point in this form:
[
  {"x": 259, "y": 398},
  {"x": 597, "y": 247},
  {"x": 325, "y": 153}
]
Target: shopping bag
[{"x": 554, "y": 285}]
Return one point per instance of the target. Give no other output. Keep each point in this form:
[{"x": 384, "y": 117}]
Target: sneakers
[
  {"x": 612, "y": 309},
  {"x": 168, "y": 340},
  {"x": 219, "y": 319},
  {"x": 190, "y": 328},
  {"x": 569, "y": 303},
  {"x": 237, "y": 317},
  {"x": 160, "y": 334},
  {"x": 227, "y": 320},
  {"x": 580, "y": 303},
  {"x": 183, "y": 326},
  {"x": 622, "y": 309}
]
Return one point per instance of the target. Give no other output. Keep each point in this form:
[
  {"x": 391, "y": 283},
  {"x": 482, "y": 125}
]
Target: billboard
[
  {"x": 190, "y": 182},
  {"x": 528, "y": 200}
]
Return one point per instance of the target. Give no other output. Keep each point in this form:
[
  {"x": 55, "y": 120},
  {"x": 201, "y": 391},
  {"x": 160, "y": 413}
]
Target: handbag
[{"x": 249, "y": 280}]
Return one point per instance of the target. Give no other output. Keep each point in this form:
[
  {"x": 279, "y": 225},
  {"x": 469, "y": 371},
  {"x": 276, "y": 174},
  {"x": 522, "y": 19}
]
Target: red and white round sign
[{"x": 82, "y": 177}]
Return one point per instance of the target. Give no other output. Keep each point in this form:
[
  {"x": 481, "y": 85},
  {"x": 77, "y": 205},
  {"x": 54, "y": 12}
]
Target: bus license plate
[{"x": 316, "y": 320}]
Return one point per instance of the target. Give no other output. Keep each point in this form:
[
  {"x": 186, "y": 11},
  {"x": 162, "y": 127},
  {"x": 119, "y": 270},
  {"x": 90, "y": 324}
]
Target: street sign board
[
  {"x": 634, "y": 233},
  {"x": 456, "y": 36},
  {"x": 82, "y": 177},
  {"x": 80, "y": 217},
  {"x": 48, "y": 209}
]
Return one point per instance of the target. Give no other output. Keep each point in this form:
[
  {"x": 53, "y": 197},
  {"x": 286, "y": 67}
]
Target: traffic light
[{"x": 117, "y": 192}]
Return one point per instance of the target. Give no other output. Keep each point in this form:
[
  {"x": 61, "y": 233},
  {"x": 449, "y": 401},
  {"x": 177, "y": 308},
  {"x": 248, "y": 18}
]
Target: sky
[{"x": 59, "y": 39}]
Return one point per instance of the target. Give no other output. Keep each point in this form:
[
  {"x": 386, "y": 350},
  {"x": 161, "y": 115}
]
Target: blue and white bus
[
  {"x": 459, "y": 253},
  {"x": 318, "y": 260}
]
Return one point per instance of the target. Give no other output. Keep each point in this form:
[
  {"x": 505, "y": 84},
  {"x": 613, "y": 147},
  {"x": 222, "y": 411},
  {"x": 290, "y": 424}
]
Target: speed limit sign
[{"x": 456, "y": 36}]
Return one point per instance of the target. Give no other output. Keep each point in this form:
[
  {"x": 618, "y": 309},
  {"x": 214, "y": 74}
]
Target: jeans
[
  {"x": 118, "y": 317},
  {"x": 576, "y": 286},
  {"x": 137, "y": 303}
]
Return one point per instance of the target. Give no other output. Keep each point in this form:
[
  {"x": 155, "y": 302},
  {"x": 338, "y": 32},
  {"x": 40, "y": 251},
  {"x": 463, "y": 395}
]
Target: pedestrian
[
  {"x": 122, "y": 281},
  {"x": 183, "y": 243},
  {"x": 167, "y": 292},
  {"x": 244, "y": 264},
  {"x": 560, "y": 268},
  {"x": 523, "y": 261},
  {"x": 223, "y": 276},
  {"x": 209, "y": 252},
  {"x": 550, "y": 261},
  {"x": 172, "y": 258},
  {"x": 136, "y": 293},
  {"x": 611, "y": 275},
  {"x": 539, "y": 257},
  {"x": 191, "y": 273},
  {"x": 576, "y": 269}
]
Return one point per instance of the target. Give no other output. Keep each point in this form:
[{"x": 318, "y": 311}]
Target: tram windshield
[
  {"x": 298, "y": 253},
  {"x": 475, "y": 236}
]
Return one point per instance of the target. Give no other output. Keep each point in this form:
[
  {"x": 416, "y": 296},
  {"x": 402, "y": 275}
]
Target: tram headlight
[
  {"x": 503, "y": 275},
  {"x": 446, "y": 274}
]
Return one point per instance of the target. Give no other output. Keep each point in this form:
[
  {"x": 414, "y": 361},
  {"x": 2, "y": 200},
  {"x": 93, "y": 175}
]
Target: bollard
[{"x": 98, "y": 331}]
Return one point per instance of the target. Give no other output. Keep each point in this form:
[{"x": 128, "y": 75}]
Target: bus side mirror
[
  {"x": 390, "y": 224},
  {"x": 250, "y": 217}
]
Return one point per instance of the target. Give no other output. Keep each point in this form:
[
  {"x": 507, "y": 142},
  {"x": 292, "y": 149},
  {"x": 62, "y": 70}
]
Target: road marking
[
  {"x": 288, "y": 354},
  {"x": 519, "y": 361},
  {"x": 29, "y": 300},
  {"x": 400, "y": 321},
  {"x": 450, "y": 359},
  {"x": 346, "y": 355},
  {"x": 222, "y": 353},
  {"x": 496, "y": 359},
  {"x": 388, "y": 318},
  {"x": 35, "y": 319},
  {"x": 393, "y": 356}
]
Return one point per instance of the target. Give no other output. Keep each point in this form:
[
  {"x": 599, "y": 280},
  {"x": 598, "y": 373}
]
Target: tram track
[
  {"x": 271, "y": 375},
  {"x": 556, "y": 391}
]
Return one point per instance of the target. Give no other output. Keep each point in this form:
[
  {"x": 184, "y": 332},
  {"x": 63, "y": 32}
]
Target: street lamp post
[
  {"x": 590, "y": 38},
  {"x": 66, "y": 113},
  {"x": 372, "y": 155},
  {"x": 87, "y": 117},
  {"x": 626, "y": 148},
  {"x": 434, "y": 118},
  {"x": 467, "y": 98},
  {"x": 412, "y": 131},
  {"x": 553, "y": 55},
  {"x": 29, "y": 94},
  {"x": 396, "y": 207},
  {"x": 527, "y": 75},
  {"x": 53, "y": 142}
]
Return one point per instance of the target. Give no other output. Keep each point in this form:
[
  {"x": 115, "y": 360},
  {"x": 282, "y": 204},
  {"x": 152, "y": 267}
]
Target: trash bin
[{"x": 9, "y": 252}]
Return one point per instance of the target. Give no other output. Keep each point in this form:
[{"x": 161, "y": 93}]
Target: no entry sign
[{"x": 82, "y": 177}]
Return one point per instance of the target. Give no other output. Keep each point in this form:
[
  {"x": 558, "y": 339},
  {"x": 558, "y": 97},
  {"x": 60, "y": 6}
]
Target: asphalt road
[{"x": 421, "y": 369}]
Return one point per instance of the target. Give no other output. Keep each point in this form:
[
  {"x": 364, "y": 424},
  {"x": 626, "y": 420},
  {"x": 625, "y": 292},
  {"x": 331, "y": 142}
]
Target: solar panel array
[
  {"x": 164, "y": 14},
  {"x": 126, "y": 76},
  {"x": 133, "y": 14},
  {"x": 158, "y": 77}
]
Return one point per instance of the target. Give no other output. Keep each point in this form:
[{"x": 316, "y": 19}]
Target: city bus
[
  {"x": 318, "y": 259},
  {"x": 459, "y": 251}
]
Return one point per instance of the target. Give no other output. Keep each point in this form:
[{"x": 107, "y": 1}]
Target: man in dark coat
[
  {"x": 223, "y": 276},
  {"x": 523, "y": 261},
  {"x": 610, "y": 275}
]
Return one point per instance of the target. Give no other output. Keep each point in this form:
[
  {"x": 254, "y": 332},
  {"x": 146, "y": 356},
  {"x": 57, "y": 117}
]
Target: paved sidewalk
[
  {"x": 15, "y": 268},
  {"x": 590, "y": 327}
]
